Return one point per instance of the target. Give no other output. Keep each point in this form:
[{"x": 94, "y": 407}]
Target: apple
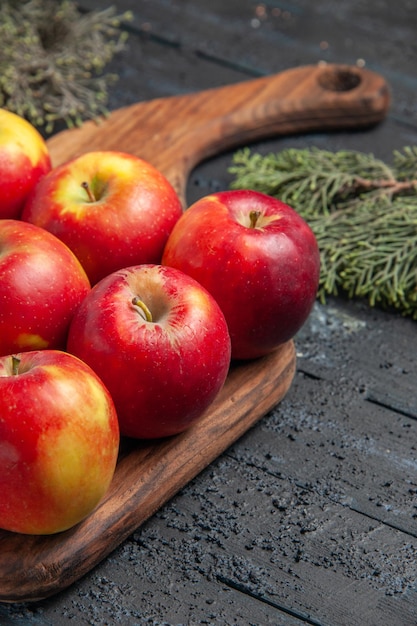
[
  {"x": 24, "y": 160},
  {"x": 257, "y": 257},
  {"x": 41, "y": 285},
  {"x": 159, "y": 342},
  {"x": 111, "y": 208},
  {"x": 59, "y": 441}
]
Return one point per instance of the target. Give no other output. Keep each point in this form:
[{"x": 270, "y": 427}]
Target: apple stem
[
  {"x": 90, "y": 194},
  {"x": 254, "y": 216},
  {"x": 15, "y": 365},
  {"x": 136, "y": 301}
]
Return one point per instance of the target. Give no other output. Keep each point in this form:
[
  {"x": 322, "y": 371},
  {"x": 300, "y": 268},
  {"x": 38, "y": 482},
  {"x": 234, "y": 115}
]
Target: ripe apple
[
  {"x": 59, "y": 441},
  {"x": 41, "y": 285},
  {"x": 159, "y": 342},
  {"x": 24, "y": 159},
  {"x": 257, "y": 257},
  {"x": 112, "y": 209}
]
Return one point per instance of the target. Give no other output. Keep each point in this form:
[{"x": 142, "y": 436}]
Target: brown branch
[{"x": 391, "y": 186}]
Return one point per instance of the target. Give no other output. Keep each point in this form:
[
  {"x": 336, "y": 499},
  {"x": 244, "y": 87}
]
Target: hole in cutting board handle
[{"x": 339, "y": 79}]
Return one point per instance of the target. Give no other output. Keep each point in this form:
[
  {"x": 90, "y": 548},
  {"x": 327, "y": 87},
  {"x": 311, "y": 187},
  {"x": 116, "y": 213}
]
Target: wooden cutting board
[{"x": 175, "y": 134}]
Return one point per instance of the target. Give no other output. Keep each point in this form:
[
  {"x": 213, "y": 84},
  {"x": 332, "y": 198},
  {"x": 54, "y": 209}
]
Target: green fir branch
[
  {"x": 312, "y": 179},
  {"x": 362, "y": 211}
]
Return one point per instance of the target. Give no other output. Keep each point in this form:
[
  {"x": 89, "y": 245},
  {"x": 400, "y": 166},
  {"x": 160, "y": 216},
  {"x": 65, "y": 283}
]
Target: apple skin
[
  {"x": 126, "y": 222},
  {"x": 59, "y": 442},
  {"x": 162, "y": 374},
  {"x": 264, "y": 279},
  {"x": 42, "y": 283},
  {"x": 24, "y": 160}
]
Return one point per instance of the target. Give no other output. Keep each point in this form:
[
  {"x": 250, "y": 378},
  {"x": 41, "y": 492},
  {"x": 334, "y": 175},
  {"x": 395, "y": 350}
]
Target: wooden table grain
[{"x": 311, "y": 516}]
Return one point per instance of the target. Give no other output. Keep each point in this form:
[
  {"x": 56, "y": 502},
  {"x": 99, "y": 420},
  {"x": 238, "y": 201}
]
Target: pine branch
[
  {"x": 363, "y": 213},
  {"x": 312, "y": 179}
]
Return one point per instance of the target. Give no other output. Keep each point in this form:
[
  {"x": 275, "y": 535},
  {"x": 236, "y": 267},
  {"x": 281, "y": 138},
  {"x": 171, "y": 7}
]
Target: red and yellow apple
[
  {"x": 257, "y": 257},
  {"x": 159, "y": 342},
  {"x": 59, "y": 441},
  {"x": 41, "y": 285},
  {"x": 24, "y": 160},
  {"x": 112, "y": 209}
]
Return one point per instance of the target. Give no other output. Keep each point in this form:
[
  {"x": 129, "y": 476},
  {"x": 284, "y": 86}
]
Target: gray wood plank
[{"x": 215, "y": 541}]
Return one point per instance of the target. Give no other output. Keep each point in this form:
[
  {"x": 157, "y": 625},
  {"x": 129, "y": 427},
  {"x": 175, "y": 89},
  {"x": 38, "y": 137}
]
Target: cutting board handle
[{"x": 178, "y": 132}]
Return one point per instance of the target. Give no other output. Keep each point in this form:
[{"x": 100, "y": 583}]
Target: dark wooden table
[{"x": 311, "y": 517}]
